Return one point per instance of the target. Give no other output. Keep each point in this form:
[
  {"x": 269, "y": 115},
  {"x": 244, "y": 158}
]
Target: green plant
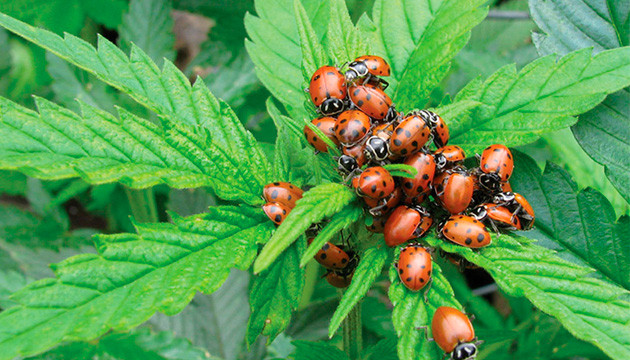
[{"x": 148, "y": 128}]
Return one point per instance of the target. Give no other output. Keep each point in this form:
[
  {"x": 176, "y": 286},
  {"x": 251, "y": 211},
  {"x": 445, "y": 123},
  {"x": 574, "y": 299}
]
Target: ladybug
[
  {"x": 356, "y": 151},
  {"x": 331, "y": 256},
  {"x": 409, "y": 136},
  {"x": 347, "y": 164},
  {"x": 519, "y": 206},
  {"x": 383, "y": 206},
  {"x": 421, "y": 183},
  {"x": 454, "y": 333},
  {"x": 458, "y": 260},
  {"x": 496, "y": 216},
  {"x": 496, "y": 166},
  {"x": 370, "y": 99},
  {"x": 277, "y": 212},
  {"x": 448, "y": 156},
  {"x": 282, "y": 192},
  {"x": 384, "y": 130},
  {"x": 454, "y": 190},
  {"x": 438, "y": 126},
  {"x": 376, "y": 149},
  {"x": 339, "y": 280},
  {"x": 406, "y": 223},
  {"x": 415, "y": 200},
  {"x": 328, "y": 90},
  {"x": 378, "y": 224},
  {"x": 326, "y": 125},
  {"x": 465, "y": 231},
  {"x": 414, "y": 266},
  {"x": 375, "y": 183},
  {"x": 351, "y": 127},
  {"x": 506, "y": 187},
  {"x": 367, "y": 64}
]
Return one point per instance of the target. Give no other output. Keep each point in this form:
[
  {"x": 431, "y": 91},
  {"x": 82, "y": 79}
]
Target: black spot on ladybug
[
  {"x": 382, "y": 194},
  {"x": 284, "y": 212},
  {"x": 366, "y": 178},
  {"x": 425, "y": 177},
  {"x": 421, "y": 280},
  {"x": 509, "y": 156},
  {"x": 374, "y": 67},
  {"x": 475, "y": 221},
  {"x": 408, "y": 279},
  {"x": 331, "y": 73},
  {"x": 315, "y": 138},
  {"x": 407, "y": 133},
  {"x": 468, "y": 241},
  {"x": 276, "y": 183},
  {"x": 423, "y": 266},
  {"x": 342, "y": 132},
  {"x": 356, "y": 92},
  {"x": 343, "y": 121},
  {"x": 278, "y": 218},
  {"x": 445, "y": 231},
  {"x": 468, "y": 231},
  {"x": 344, "y": 260},
  {"x": 323, "y": 256},
  {"x": 274, "y": 209},
  {"x": 480, "y": 237},
  {"x": 408, "y": 185},
  {"x": 414, "y": 144},
  {"x": 326, "y": 246},
  {"x": 368, "y": 97},
  {"x": 316, "y": 77},
  {"x": 274, "y": 194},
  {"x": 373, "y": 188},
  {"x": 400, "y": 271},
  {"x": 455, "y": 224},
  {"x": 355, "y": 133},
  {"x": 360, "y": 103},
  {"x": 397, "y": 142},
  {"x": 377, "y": 172},
  {"x": 363, "y": 130},
  {"x": 429, "y": 272}
]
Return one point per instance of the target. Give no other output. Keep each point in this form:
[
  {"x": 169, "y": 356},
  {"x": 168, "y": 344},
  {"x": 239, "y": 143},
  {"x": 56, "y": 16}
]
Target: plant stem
[
  {"x": 352, "y": 333},
  {"x": 143, "y": 207},
  {"x": 311, "y": 272}
]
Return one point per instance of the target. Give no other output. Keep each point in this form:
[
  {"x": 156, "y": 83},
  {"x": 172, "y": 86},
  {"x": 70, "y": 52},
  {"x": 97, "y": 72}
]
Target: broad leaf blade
[
  {"x": 159, "y": 269},
  {"x": 344, "y": 41},
  {"x": 307, "y": 350}
]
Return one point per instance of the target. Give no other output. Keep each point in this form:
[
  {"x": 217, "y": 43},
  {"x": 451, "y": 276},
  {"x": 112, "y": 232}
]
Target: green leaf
[
  {"x": 401, "y": 170},
  {"x": 159, "y": 269},
  {"x": 106, "y": 12},
  {"x": 275, "y": 49},
  {"x": 457, "y": 110},
  {"x": 313, "y": 55},
  {"x": 166, "y": 92},
  {"x": 274, "y": 294},
  {"x": 149, "y": 25},
  {"x": 12, "y": 183},
  {"x": 370, "y": 267},
  {"x": 10, "y": 282},
  {"x": 519, "y": 106},
  {"x": 344, "y": 42},
  {"x": 385, "y": 349},
  {"x": 411, "y": 312},
  {"x": 308, "y": 350},
  {"x": 589, "y": 308},
  {"x": 57, "y": 15},
  {"x": 341, "y": 220},
  {"x": 215, "y": 322},
  {"x": 580, "y": 225},
  {"x": 604, "y": 133},
  {"x": 316, "y": 204},
  {"x": 589, "y": 23}
]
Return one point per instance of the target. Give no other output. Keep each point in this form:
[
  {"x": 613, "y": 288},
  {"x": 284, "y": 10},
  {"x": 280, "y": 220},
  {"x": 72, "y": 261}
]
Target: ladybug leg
[
  {"x": 426, "y": 292},
  {"x": 478, "y": 157},
  {"x": 375, "y": 211},
  {"x": 494, "y": 227},
  {"x": 385, "y": 84},
  {"x": 425, "y": 328}
]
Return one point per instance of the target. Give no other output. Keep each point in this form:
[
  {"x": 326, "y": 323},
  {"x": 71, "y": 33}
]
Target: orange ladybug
[
  {"x": 496, "y": 165},
  {"x": 282, "y": 192},
  {"x": 409, "y": 136},
  {"x": 448, "y": 156},
  {"x": 351, "y": 127},
  {"x": 465, "y": 231},
  {"x": 438, "y": 126},
  {"x": 496, "y": 216},
  {"x": 277, "y": 212},
  {"x": 519, "y": 206},
  {"x": 356, "y": 151},
  {"x": 454, "y": 333},
  {"x": 454, "y": 190},
  {"x": 331, "y": 256},
  {"x": 328, "y": 90},
  {"x": 339, "y": 280},
  {"x": 326, "y": 125},
  {"x": 421, "y": 183},
  {"x": 375, "y": 182},
  {"x": 414, "y": 266},
  {"x": 367, "y": 64},
  {"x": 370, "y": 99},
  {"x": 406, "y": 223},
  {"x": 383, "y": 206}
]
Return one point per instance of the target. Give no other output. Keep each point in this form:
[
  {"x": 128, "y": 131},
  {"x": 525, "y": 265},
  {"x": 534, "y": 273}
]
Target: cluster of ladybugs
[{"x": 359, "y": 119}]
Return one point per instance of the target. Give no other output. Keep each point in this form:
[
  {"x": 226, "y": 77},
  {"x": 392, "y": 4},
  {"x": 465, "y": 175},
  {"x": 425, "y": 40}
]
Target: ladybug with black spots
[
  {"x": 371, "y": 100},
  {"x": 454, "y": 334},
  {"x": 282, "y": 192},
  {"x": 414, "y": 266},
  {"x": 439, "y": 129},
  {"x": 383, "y": 206},
  {"x": 497, "y": 217},
  {"x": 343, "y": 277},
  {"x": 519, "y": 206},
  {"x": 367, "y": 65},
  {"x": 331, "y": 256},
  {"x": 449, "y": 156},
  {"x": 357, "y": 151},
  {"x": 277, "y": 212},
  {"x": 465, "y": 231},
  {"x": 423, "y": 180},
  {"x": 409, "y": 136},
  {"x": 376, "y": 149},
  {"x": 454, "y": 189},
  {"x": 328, "y": 90},
  {"x": 351, "y": 127},
  {"x": 496, "y": 166},
  {"x": 375, "y": 182},
  {"x": 326, "y": 125},
  {"x": 347, "y": 164},
  {"x": 406, "y": 223}
]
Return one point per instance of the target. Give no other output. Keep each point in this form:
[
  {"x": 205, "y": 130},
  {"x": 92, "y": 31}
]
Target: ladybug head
[
  {"x": 479, "y": 213},
  {"x": 391, "y": 115},
  {"x": 347, "y": 164},
  {"x": 376, "y": 149},
  {"x": 440, "y": 161},
  {"x": 356, "y": 69},
  {"x": 503, "y": 198},
  {"x": 331, "y": 106},
  {"x": 491, "y": 182},
  {"x": 422, "y": 211},
  {"x": 465, "y": 351}
]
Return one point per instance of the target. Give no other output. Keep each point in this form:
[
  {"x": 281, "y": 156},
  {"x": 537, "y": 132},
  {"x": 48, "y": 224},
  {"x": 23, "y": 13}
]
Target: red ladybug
[
  {"x": 339, "y": 280},
  {"x": 282, "y": 192},
  {"x": 328, "y": 90},
  {"x": 378, "y": 224},
  {"x": 356, "y": 151},
  {"x": 367, "y": 64},
  {"x": 454, "y": 190},
  {"x": 383, "y": 206},
  {"x": 447, "y": 156},
  {"x": 351, "y": 127},
  {"x": 421, "y": 183},
  {"x": 384, "y": 130},
  {"x": 326, "y": 125},
  {"x": 465, "y": 231},
  {"x": 370, "y": 99},
  {"x": 414, "y": 267},
  {"x": 406, "y": 223},
  {"x": 409, "y": 136},
  {"x": 496, "y": 216},
  {"x": 331, "y": 256},
  {"x": 496, "y": 165},
  {"x": 454, "y": 333},
  {"x": 277, "y": 212},
  {"x": 375, "y": 183},
  {"x": 519, "y": 206},
  {"x": 438, "y": 126}
]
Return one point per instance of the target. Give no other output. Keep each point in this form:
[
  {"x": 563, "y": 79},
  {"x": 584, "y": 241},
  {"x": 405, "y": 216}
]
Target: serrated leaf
[
  {"x": 589, "y": 308},
  {"x": 313, "y": 55},
  {"x": 411, "y": 312},
  {"x": 369, "y": 268},
  {"x": 159, "y": 269},
  {"x": 10, "y": 282},
  {"x": 167, "y": 92},
  {"x": 344, "y": 41},
  {"x": 579, "y": 225},
  {"x": 57, "y": 143},
  {"x": 341, "y": 220},
  {"x": 385, "y": 349},
  {"x": 604, "y": 133},
  {"x": 543, "y": 96},
  {"x": 108, "y": 12},
  {"x": 316, "y": 204},
  {"x": 149, "y": 25},
  {"x": 308, "y": 350},
  {"x": 457, "y": 110},
  {"x": 401, "y": 170},
  {"x": 274, "y": 294}
]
